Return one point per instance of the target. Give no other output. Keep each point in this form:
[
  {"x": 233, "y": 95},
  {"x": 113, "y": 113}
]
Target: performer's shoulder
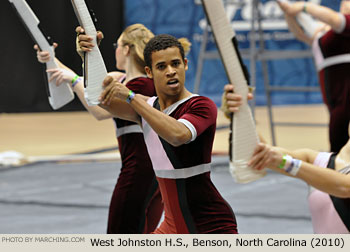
[
  {"x": 142, "y": 85},
  {"x": 199, "y": 99},
  {"x": 140, "y": 81}
]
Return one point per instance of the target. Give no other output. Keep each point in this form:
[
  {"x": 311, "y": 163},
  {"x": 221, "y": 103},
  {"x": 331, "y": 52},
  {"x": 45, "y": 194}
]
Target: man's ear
[
  {"x": 149, "y": 72},
  {"x": 186, "y": 63}
]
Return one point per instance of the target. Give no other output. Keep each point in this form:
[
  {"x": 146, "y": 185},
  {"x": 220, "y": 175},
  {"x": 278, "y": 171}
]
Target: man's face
[{"x": 168, "y": 71}]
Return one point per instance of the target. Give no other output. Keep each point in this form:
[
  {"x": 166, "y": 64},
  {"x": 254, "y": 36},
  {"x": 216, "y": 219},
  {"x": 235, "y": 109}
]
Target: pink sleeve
[
  {"x": 322, "y": 159},
  {"x": 345, "y": 29}
]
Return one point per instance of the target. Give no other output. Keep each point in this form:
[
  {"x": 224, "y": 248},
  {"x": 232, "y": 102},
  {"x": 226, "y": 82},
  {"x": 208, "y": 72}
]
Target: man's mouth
[{"x": 173, "y": 82}]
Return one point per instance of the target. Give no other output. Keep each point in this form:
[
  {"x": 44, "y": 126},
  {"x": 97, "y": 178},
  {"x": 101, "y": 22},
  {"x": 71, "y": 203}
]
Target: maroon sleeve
[
  {"x": 142, "y": 85},
  {"x": 201, "y": 113}
]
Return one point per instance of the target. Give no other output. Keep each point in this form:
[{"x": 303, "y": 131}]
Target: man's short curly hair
[{"x": 158, "y": 43}]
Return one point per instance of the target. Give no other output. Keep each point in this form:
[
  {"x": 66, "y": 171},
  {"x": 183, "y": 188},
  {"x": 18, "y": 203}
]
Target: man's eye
[
  {"x": 176, "y": 63},
  {"x": 161, "y": 67}
]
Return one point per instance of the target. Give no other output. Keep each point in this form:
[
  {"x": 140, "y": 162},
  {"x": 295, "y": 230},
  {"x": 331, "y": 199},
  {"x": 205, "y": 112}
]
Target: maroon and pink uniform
[
  {"x": 136, "y": 205},
  {"x": 332, "y": 56},
  {"x": 330, "y": 215},
  {"x": 192, "y": 204}
]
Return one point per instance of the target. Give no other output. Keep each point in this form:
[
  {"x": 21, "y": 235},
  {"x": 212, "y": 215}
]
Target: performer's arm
[
  {"x": 322, "y": 13},
  {"x": 298, "y": 32},
  {"x": 168, "y": 128},
  {"x": 326, "y": 180},
  {"x": 65, "y": 74},
  {"x": 295, "y": 27},
  {"x": 98, "y": 112}
]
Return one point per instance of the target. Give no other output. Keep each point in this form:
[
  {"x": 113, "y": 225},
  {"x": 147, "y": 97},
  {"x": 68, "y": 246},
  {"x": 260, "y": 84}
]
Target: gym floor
[{"x": 52, "y": 193}]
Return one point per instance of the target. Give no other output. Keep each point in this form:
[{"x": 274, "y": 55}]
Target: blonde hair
[
  {"x": 186, "y": 44},
  {"x": 136, "y": 37}
]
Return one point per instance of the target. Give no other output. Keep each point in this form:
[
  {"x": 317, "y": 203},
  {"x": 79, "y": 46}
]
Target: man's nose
[{"x": 170, "y": 71}]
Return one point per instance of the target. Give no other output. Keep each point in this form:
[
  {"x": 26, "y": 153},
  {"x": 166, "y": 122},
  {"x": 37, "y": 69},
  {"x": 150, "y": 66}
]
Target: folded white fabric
[{"x": 11, "y": 158}]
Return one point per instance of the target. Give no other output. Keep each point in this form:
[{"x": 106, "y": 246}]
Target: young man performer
[{"x": 179, "y": 130}]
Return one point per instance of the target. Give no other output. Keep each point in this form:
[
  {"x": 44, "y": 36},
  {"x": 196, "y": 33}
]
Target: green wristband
[
  {"x": 130, "y": 97},
  {"x": 304, "y": 9},
  {"x": 283, "y": 162},
  {"x": 75, "y": 78}
]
